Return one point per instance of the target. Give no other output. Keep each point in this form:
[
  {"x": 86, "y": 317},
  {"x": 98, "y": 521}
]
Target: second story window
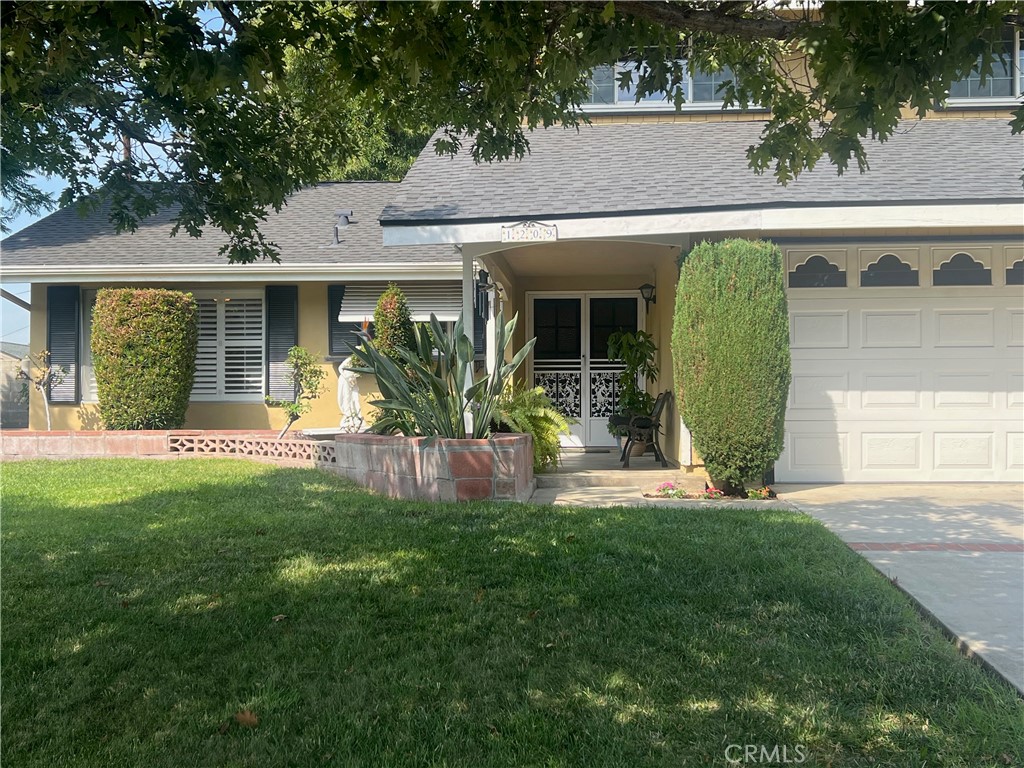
[
  {"x": 1006, "y": 82},
  {"x": 607, "y": 93}
]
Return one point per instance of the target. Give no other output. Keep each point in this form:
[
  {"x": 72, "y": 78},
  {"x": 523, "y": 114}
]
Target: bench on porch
[{"x": 643, "y": 430}]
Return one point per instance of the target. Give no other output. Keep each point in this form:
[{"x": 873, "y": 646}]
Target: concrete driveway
[{"x": 958, "y": 549}]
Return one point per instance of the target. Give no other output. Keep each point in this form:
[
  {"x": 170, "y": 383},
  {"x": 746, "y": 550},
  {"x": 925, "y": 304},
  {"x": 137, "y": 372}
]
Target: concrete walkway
[{"x": 958, "y": 549}]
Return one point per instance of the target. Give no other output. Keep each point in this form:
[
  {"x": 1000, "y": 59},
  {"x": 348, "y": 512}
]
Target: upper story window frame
[
  {"x": 1016, "y": 78},
  {"x": 625, "y": 100}
]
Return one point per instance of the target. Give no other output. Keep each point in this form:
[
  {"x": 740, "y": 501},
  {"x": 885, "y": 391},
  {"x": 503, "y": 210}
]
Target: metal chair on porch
[{"x": 645, "y": 430}]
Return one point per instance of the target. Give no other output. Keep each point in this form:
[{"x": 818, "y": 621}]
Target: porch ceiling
[{"x": 583, "y": 258}]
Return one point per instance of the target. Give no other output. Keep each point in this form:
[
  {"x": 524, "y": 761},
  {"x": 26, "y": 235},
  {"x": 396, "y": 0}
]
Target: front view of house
[{"x": 905, "y": 283}]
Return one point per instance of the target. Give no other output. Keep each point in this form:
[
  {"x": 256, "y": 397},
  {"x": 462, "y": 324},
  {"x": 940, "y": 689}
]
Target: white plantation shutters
[
  {"x": 229, "y": 360},
  {"x": 243, "y": 347},
  {"x": 442, "y": 297},
  {"x": 207, "y": 365}
]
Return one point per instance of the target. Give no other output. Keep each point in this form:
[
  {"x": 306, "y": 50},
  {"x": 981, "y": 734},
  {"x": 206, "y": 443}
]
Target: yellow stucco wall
[{"x": 213, "y": 415}]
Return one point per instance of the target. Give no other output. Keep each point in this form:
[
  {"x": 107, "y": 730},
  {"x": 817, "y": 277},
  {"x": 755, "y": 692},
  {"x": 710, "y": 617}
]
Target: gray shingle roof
[
  {"x": 13, "y": 349},
  {"x": 304, "y": 230},
  {"x": 631, "y": 168}
]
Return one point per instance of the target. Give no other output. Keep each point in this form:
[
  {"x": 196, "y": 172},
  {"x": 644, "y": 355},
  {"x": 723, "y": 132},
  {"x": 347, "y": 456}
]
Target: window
[
  {"x": 229, "y": 363},
  {"x": 1007, "y": 80},
  {"x": 817, "y": 272},
  {"x": 349, "y": 306},
  {"x": 698, "y": 88}
]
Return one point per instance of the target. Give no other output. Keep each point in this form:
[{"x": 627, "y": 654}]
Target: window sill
[
  {"x": 666, "y": 109},
  {"x": 955, "y": 104}
]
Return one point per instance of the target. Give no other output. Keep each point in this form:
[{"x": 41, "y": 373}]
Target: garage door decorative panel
[
  {"x": 819, "y": 391},
  {"x": 891, "y": 329},
  {"x": 819, "y": 451},
  {"x": 964, "y": 328},
  {"x": 891, "y": 390},
  {"x": 955, "y": 450},
  {"x": 963, "y": 390},
  {"x": 1015, "y": 391},
  {"x": 1015, "y": 324},
  {"x": 1015, "y": 450},
  {"x": 891, "y": 450},
  {"x": 812, "y": 330}
]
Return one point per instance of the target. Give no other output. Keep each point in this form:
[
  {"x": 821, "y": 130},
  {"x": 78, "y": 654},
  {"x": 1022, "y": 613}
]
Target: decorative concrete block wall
[
  {"x": 439, "y": 469},
  {"x": 400, "y": 467}
]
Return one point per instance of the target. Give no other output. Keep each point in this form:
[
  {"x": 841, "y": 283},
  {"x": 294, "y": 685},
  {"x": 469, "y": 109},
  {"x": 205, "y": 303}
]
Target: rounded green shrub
[
  {"x": 144, "y": 354},
  {"x": 730, "y": 352},
  {"x": 392, "y": 322}
]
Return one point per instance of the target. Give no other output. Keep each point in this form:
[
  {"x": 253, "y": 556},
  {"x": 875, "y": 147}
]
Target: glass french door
[{"x": 570, "y": 358}]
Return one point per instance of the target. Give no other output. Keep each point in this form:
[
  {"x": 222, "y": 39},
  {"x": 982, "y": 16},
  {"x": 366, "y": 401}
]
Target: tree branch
[{"x": 718, "y": 20}]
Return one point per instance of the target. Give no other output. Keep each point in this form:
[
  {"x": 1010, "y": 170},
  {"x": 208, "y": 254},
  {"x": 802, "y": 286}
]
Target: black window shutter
[
  {"x": 63, "y": 339},
  {"x": 282, "y": 302},
  {"x": 480, "y": 312},
  {"x": 337, "y": 333}
]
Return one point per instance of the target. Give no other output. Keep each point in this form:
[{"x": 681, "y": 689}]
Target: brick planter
[
  {"x": 400, "y": 467},
  {"x": 439, "y": 469}
]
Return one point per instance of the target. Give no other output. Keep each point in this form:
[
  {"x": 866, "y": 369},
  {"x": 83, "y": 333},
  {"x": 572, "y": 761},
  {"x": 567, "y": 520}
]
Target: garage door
[{"x": 907, "y": 365}]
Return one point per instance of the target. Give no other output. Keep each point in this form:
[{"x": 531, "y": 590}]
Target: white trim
[
  {"x": 876, "y": 217},
  {"x": 241, "y": 273}
]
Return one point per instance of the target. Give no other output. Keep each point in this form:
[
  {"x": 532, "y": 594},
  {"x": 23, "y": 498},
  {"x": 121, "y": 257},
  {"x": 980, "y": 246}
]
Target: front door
[{"x": 570, "y": 359}]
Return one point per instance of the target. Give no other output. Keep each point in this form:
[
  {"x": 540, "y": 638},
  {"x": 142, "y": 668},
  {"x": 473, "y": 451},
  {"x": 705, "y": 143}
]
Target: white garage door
[{"x": 902, "y": 382}]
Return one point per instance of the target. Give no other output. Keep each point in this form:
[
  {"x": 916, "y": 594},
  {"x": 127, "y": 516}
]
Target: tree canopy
[{"x": 223, "y": 109}]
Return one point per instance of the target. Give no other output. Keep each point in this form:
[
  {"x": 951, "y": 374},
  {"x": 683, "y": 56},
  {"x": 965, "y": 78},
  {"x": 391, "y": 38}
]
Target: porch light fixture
[{"x": 647, "y": 292}]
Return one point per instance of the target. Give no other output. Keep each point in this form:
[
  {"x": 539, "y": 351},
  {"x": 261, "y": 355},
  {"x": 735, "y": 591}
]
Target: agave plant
[{"x": 429, "y": 390}]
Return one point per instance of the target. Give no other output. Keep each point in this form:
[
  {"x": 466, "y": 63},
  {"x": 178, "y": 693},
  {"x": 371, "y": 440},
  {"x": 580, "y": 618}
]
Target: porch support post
[{"x": 468, "y": 291}]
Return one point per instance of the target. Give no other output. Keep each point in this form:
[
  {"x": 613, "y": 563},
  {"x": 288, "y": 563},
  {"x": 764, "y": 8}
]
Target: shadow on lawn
[{"x": 400, "y": 633}]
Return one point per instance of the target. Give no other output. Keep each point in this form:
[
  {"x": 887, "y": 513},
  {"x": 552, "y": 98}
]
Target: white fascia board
[
  {"x": 234, "y": 273},
  {"x": 768, "y": 219}
]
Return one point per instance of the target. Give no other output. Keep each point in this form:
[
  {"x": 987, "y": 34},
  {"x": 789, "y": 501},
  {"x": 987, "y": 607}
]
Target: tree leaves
[{"x": 226, "y": 112}]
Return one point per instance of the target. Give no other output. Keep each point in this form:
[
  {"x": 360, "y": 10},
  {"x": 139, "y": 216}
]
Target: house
[
  {"x": 905, "y": 283},
  {"x": 333, "y": 267},
  {"x": 13, "y": 406}
]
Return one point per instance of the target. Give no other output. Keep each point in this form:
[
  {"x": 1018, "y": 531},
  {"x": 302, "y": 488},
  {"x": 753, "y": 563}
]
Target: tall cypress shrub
[
  {"x": 144, "y": 354},
  {"x": 730, "y": 352},
  {"x": 392, "y": 322}
]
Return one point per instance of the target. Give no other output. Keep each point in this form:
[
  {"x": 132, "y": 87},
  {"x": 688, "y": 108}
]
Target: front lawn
[{"x": 218, "y": 612}]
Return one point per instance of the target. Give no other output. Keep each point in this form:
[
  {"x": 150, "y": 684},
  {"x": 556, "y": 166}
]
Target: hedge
[
  {"x": 144, "y": 355},
  {"x": 730, "y": 351}
]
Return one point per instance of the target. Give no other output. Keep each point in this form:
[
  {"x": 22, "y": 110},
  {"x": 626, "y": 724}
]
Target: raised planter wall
[
  {"x": 400, "y": 467},
  {"x": 439, "y": 469}
]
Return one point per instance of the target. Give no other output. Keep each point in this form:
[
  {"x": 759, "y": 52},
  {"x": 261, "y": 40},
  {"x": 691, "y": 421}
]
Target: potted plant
[{"x": 636, "y": 351}]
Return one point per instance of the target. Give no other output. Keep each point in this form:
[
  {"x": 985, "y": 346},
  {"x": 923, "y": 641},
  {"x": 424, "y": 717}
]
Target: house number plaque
[{"x": 529, "y": 232}]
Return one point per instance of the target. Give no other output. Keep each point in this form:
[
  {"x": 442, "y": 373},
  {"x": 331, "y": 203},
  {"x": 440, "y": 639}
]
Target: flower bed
[{"x": 670, "y": 490}]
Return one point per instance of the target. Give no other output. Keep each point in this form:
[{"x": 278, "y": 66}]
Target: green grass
[{"x": 138, "y": 605}]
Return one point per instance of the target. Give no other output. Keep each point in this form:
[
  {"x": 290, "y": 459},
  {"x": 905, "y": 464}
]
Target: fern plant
[{"x": 530, "y": 410}]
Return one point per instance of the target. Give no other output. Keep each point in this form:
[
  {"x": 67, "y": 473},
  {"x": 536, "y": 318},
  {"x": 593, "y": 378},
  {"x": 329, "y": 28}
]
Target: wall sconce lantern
[{"x": 647, "y": 292}]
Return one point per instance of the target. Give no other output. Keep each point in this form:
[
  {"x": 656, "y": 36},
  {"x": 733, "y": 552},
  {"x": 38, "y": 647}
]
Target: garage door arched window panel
[
  {"x": 889, "y": 271},
  {"x": 961, "y": 269},
  {"x": 817, "y": 272},
  {"x": 1015, "y": 273}
]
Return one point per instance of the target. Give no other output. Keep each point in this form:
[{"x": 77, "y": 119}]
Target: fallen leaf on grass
[
  {"x": 279, "y": 617},
  {"x": 247, "y": 718},
  {"x": 479, "y": 596}
]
